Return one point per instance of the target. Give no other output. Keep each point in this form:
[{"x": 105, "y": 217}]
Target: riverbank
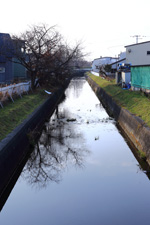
[
  {"x": 14, "y": 148},
  {"x": 135, "y": 102},
  {"x": 121, "y": 104},
  {"x": 14, "y": 113}
]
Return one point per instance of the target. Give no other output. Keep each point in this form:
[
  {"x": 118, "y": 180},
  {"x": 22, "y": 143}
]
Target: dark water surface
[{"x": 81, "y": 172}]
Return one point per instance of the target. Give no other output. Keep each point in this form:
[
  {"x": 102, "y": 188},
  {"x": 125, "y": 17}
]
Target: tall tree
[
  {"x": 44, "y": 53},
  {"x": 38, "y": 40}
]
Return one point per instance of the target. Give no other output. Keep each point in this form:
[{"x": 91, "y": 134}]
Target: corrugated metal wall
[{"x": 140, "y": 77}]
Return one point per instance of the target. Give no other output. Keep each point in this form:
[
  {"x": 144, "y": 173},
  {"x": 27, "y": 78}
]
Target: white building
[
  {"x": 97, "y": 63},
  {"x": 138, "y": 55}
]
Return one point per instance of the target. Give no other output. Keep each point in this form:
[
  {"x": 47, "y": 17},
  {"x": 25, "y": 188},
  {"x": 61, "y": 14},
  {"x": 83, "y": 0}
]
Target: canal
[{"x": 81, "y": 171}]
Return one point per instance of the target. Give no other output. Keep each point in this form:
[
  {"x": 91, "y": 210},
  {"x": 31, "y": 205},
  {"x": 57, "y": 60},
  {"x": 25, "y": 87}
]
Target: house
[
  {"x": 101, "y": 62},
  {"x": 138, "y": 55},
  {"x": 8, "y": 69}
]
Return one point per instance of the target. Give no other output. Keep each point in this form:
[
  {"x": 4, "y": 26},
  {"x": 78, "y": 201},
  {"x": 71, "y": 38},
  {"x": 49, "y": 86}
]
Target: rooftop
[{"x": 138, "y": 44}]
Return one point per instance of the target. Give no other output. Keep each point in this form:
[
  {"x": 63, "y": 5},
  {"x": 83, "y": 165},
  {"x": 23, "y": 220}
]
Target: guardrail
[{"x": 12, "y": 90}]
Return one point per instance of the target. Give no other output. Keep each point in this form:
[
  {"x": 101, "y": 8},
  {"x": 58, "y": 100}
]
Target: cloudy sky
[{"x": 104, "y": 26}]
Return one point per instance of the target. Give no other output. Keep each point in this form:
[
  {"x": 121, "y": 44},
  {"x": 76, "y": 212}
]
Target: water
[{"x": 80, "y": 172}]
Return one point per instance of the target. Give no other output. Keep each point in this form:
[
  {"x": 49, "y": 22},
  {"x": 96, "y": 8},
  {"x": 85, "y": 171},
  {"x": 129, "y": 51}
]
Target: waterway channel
[{"x": 81, "y": 171}]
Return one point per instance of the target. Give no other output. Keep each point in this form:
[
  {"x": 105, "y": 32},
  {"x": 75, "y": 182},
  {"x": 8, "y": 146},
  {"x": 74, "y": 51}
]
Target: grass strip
[
  {"x": 14, "y": 113},
  {"x": 134, "y": 101}
]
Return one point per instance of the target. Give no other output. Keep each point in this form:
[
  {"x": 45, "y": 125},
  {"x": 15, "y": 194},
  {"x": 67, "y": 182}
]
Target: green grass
[
  {"x": 135, "y": 102},
  {"x": 14, "y": 113}
]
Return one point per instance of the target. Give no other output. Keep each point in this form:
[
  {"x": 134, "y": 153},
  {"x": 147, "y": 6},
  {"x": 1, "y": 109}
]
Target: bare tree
[
  {"x": 44, "y": 53},
  {"x": 35, "y": 42}
]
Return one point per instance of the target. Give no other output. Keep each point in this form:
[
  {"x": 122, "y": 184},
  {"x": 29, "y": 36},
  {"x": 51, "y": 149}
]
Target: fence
[{"x": 12, "y": 90}]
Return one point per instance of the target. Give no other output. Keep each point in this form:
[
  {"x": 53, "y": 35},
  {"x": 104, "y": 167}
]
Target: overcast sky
[{"x": 105, "y": 27}]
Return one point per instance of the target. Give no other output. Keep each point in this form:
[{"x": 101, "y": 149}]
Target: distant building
[
  {"x": 121, "y": 60},
  {"x": 138, "y": 55},
  {"x": 102, "y": 61}
]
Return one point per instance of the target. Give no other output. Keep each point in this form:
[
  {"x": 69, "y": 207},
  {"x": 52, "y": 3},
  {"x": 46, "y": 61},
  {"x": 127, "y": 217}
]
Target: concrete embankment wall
[
  {"x": 135, "y": 129},
  {"x": 14, "y": 147}
]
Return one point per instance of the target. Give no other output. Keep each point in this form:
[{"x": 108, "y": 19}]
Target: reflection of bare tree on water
[
  {"x": 58, "y": 147},
  {"x": 76, "y": 86}
]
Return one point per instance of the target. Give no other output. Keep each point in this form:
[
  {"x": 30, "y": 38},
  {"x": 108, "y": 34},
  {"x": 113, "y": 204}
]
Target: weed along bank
[{"x": 137, "y": 131}]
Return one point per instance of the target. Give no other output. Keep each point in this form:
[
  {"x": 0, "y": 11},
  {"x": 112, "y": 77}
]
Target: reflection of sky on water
[{"x": 109, "y": 188}]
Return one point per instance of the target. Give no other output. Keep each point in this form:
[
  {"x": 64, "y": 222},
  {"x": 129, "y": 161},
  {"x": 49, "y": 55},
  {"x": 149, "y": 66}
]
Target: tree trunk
[{"x": 33, "y": 77}]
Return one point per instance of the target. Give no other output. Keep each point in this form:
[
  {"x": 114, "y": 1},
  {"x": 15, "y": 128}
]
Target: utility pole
[{"x": 138, "y": 37}]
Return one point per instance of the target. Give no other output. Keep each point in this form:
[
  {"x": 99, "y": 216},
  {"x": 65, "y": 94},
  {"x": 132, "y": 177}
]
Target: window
[{"x": 148, "y": 52}]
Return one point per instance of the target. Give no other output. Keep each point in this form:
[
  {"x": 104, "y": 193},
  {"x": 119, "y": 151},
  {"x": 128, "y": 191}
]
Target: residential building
[
  {"x": 102, "y": 61},
  {"x": 138, "y": 55},
  {"x": 8, "y": 69}
]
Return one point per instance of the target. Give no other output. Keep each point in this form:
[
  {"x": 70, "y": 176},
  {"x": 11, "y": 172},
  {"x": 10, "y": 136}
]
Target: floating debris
[
  {"x": 48, "y": 92},
  {"x": 96, "y": 138},
  {"x": 71, "y": 120}
]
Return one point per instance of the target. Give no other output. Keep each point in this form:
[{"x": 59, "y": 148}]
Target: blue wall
[{"x": 7, "y": 75}]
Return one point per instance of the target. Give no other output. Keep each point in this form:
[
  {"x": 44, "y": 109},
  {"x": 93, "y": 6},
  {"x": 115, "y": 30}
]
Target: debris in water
[
  {"x": 48, "y": 92},
  {"x": 71, "y": 120},
  {"x": 96, "y": 138}
]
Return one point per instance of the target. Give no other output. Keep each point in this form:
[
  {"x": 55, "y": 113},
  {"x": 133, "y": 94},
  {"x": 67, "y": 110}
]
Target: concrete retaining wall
[
  {"x": 135, "y": 129},
  {"x": 14, "y": 148}
]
